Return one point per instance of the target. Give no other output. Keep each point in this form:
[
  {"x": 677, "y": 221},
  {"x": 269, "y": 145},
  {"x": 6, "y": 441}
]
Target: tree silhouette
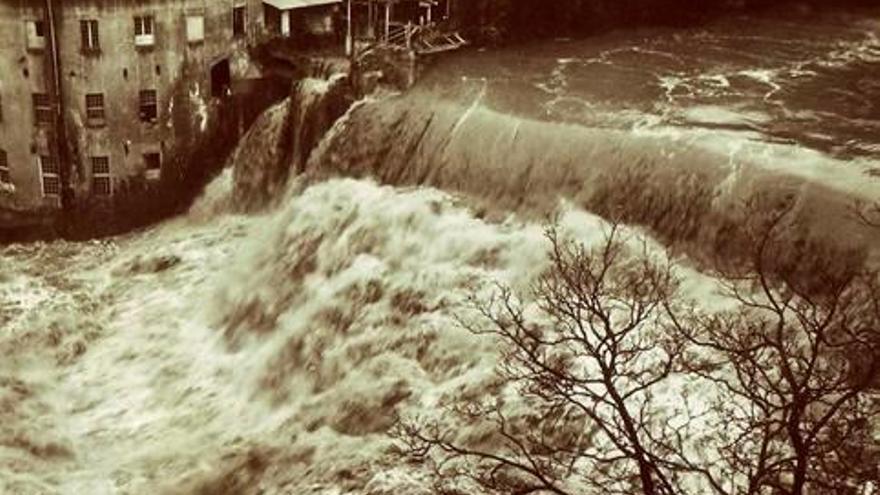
[
  {"x": 794, "y": 364},
  {"x": 585, "y": 371},
  {"x": 580, "y": 402}
]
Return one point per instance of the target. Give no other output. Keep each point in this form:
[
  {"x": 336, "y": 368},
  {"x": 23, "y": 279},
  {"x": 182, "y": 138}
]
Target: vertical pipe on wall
[
  {"x": 387, "y": 20},
  {"x": 59, "y": 140}
]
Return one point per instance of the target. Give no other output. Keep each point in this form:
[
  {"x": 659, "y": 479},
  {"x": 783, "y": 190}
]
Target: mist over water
[{"x": 268, "y": 351}]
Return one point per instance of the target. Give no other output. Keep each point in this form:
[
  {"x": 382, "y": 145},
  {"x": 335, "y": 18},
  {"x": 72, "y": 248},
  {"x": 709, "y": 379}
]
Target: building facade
[{"x": 98, "y": 94}]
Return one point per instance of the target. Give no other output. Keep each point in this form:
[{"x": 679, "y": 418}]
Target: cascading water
[
  {"x": 282, "y": 139},
  {"x": 263, "y": 343},
  {"x": 674, "y": 128}
]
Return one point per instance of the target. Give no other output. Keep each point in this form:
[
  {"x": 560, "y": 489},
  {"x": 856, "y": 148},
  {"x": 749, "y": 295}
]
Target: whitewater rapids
[
  {"x": 267, "y": 352},
  {"x": 263, "y": 352}
]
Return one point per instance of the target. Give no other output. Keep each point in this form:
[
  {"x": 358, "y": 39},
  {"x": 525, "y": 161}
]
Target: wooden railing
[{"x": 421, "y": 39}]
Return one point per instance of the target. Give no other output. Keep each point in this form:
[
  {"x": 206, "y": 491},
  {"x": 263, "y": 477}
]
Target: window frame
[
  {"x": 96, "y": 115},
  {"x": 145, "y": 30},
  {"x": 5, "y": 170},
  {"x": 192, "y": 17},
  {"x": 43, "y": 111},
  {"x": 150, "y": 158},
  {"x": 90, "y": 36},
  {"x": 36, "y": 34},
  {"x": 239, "y": 21},
  {"x": 148, "y": 99},
  {"x": 53, "y": 175},
  {"x": 101, "y": 176}
]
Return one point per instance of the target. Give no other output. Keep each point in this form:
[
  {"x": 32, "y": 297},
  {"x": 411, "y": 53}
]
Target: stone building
[{"x": 96, "y": 95}]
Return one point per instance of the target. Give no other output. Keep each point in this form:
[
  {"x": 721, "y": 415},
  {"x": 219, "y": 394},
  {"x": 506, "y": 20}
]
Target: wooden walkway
[
  {"x": 438, "y": 42},
  {"x": 422, "y": 40}
]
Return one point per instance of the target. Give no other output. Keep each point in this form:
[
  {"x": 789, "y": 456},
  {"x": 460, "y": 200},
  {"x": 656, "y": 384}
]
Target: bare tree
[
  {"x": 789, "y": 376},
  {"x": 586, "y": 370},
  {"x": 794, "y": 365}
]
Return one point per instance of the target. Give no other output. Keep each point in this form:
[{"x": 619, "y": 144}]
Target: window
[
  {"x": 88, "y": 29},
  {"x": 36, "y": 34},
  {"x": 144, "y": 31},
  {"x": 95, "y": 109},
  {"x": 153, "y": 165},
  {"x": 42, "y": 108},
  {"x": 101, "y": 183},
  {"x": 51, "y": 178},
  {"x": 195, "y": 28},
  {"x": 238, "y": 21},
  {"x": 5, "y": 177},
  {"x": 149, "y": 108}
]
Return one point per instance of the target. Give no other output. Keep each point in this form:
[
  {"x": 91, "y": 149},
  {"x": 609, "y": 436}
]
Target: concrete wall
[{"x": 22, "y": 73}]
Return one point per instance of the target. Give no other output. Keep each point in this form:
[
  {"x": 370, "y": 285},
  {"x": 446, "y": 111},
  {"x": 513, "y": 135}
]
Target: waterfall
[
  {"x": 277, "y": 146},
  {"x": 685, "y": 184}
]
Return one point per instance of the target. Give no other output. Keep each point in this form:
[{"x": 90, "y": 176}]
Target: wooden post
[
  {"x": 285, "y": 23},
  {"x": 349, "y": 40},
  {"x": 387, "y": 20}
]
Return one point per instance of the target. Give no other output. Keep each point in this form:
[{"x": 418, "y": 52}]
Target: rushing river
[
  {"x": 224, "y": 352},
  {"x": 791, "y": 77}
]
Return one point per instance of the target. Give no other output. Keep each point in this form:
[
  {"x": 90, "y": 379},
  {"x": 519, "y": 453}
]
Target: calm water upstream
[{"x": 804, "y": 79}]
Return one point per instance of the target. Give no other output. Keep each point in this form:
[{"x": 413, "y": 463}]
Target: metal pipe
[{"x": 60, "y": 139}]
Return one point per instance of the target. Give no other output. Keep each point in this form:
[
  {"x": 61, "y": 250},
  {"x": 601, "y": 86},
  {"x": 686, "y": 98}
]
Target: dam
[{"x": 268, "y": 339}]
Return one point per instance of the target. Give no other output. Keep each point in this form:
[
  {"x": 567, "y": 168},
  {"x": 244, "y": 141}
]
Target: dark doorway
[
  {"x": 272, "y": 19},
  {"x": 221, "y": 79},
  {"x": 239, "y": 20}
]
